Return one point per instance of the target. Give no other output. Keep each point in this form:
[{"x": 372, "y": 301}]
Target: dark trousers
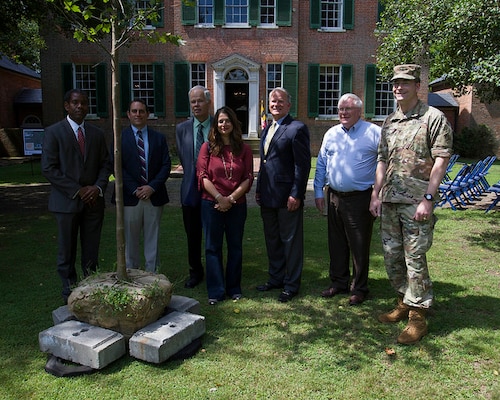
[
  {"x": 88, "y": 223},
  {"x": 192, "y": 225},
  {"x": 350, "y": 226},
  {"x": 284, "y": 234},
  {"x": 216, "y": 225}
]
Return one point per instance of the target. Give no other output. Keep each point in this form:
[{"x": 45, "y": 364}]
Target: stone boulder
[{"x": 122, "y": 306}]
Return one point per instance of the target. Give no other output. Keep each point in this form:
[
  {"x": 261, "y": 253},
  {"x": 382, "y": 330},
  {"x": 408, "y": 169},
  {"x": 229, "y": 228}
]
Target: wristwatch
[{"x": 428, "y": 196}]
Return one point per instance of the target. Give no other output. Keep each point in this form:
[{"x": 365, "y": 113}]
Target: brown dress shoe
[
  {"x": 331, "y": 291},
  {"x": 356, "y": 299}
]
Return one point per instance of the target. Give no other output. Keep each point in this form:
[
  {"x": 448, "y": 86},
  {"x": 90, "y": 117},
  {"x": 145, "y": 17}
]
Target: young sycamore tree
[{"x": 112, "y": 24}]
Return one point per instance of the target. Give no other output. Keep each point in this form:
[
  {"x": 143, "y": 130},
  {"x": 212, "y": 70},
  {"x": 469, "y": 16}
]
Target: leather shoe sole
[
  {"x": 356, "y": 299},
  {"x": 286, "y": 295},
  {"x": 267, "y": 286},
  {"x": 330, "y": 292}
]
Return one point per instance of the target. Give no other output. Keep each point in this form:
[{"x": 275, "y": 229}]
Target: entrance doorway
[{"x": 236, "y": 95}]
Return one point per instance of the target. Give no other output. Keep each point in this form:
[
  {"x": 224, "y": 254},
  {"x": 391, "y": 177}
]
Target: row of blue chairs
[{"x": 468, "y": 185}]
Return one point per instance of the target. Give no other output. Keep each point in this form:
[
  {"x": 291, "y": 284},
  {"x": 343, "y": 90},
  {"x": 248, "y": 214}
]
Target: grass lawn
[{"x": 258, "y": 348}]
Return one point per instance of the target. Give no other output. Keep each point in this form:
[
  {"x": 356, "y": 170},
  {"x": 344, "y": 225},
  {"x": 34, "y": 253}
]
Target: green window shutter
[
  {"x": 348, "y": 14},
  {"x": 181, "y": 80},
  {"x": 188, "y": 14},
  {"x": 312, "y": 94},
  {"x": 370, "y": 90},
  {"x": 67, "y": 77},
  {"x": 380, "y": 10},
  {"x": 284, "y": 13},
  {"x": 160, "y": 23},
  {"x": 219, "y": 8},
  {"x": 290, "y": 83},
  {"x": 346, "y": 79},
  {"x": 159, "y": 85},
  {"x": 315, "y": 14},
  {"x": 101, "y": 90},
  {"x": 254, "y": 15},
  {"x": 125, "y": 88}
]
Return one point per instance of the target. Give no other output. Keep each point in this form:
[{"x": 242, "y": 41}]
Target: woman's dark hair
[{"x": 215, "y": 139}]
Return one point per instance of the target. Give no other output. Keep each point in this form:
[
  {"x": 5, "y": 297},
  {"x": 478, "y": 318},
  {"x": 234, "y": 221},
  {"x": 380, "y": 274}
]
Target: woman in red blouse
[{"x": 225, "y": 174}]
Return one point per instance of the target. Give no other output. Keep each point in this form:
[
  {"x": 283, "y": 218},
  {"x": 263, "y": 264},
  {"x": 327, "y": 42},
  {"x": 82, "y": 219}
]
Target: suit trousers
[
  {"x": 284, "y": 235},
  {"x": 193, "y": 227},
  {"x": 350, "y": 227},
  {"x": 88, "y": 223},
  {"x": 142, "y": 218}
]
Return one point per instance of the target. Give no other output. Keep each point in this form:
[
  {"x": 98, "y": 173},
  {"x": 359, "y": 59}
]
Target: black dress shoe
[
  {"x": 331, "y": 291},
  {"x": 286, "y": 295},
  {"x": 192, "y": 283},
  {"x": 267, "y": 286}
]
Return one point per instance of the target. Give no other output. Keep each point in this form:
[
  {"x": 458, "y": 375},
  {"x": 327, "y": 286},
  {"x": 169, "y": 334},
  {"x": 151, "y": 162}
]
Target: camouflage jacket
[{"x": 409, "y": 144}]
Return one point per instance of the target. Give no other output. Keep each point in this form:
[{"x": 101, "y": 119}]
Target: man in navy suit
[
  {"x": 285, "y": 161},
  {"x": 75, "y": 160},
  {"x": 189, "y": 136},
  {"x": 144, "y": 190}
]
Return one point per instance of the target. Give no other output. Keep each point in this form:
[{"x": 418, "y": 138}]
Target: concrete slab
[
  {"x": 62, "y": 314},
  {"x": 160, "y": 340},
  {"x": 183, "y": 304},
  {"x": 82, "y": 343}
]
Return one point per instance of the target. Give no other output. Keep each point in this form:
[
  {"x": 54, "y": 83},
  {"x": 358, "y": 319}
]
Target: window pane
[
  {"x": 267, "y": 12},
  {"x": 329, "y": 89},
  {"x": 85, "y": 80},
  {"x": 236, "y": 11},
  {"x": 274, "y": 78},
  {"x": 331, "y": 13},
  {"x": 198, "y": 74},
  {"x": 384, "y": 99},
  {"x": 205, "y": 12},
  {"x": 143, "y": 84}
]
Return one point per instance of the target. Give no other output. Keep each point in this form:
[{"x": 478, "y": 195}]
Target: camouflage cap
[{"x": 406, "y": 71}]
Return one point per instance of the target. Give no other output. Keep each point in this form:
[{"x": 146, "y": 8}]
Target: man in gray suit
[
  {"x": 189, "y": 136},
  {"x": 75, "y": 160}
]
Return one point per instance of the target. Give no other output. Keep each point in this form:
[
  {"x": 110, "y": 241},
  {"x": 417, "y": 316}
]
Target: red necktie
[{"x": 81, "y": 140}]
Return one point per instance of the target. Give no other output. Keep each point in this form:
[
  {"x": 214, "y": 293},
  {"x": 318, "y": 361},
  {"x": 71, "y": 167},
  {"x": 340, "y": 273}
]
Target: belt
[{"x": 348, "y": 194}]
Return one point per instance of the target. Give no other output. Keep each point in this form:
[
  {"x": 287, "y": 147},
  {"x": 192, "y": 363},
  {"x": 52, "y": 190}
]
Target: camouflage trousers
[{"x": 405, "y": 243}]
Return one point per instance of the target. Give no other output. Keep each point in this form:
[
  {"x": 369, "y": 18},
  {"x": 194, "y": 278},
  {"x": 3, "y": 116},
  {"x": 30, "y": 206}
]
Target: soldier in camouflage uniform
[{"x": 413, "y": 154}]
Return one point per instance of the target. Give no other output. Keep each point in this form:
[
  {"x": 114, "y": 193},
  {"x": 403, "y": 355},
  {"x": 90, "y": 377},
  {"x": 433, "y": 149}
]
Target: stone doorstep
[
  {"x": 83, "y": 344},
  {"x": 164, "y": 338}
]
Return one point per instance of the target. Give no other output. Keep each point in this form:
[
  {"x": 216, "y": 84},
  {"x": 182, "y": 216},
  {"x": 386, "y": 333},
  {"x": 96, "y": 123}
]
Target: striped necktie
[
  {"x": 142, "y": 157},
  {"x": 199, "y": 140}
]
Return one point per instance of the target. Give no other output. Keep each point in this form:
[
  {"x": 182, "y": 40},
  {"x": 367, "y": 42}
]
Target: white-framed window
[
  {"x": 205, "y": 12},
  {"x": 85, "y": 79},
  {"x": 145, "y": 5},
  {"x": 331, "y": 14},
  {"x": 267, "y": 12},
  {"x": 143, "y": 83},
  {"x": 274, "y": 79},
  {"x": 198, "y": 74},
  {"x": 237, "y": 12},
  {"x": 385, "y": 103},
  {"x": 329, "y": 90}
]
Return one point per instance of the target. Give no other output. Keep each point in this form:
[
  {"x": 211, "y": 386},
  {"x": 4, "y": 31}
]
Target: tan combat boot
[
  {"x": 398, "y": 314},
  {"x": 416, "y": 328}
]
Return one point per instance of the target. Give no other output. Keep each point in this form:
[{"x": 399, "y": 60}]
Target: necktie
[
  {"x": 81, "y": 140},
  {"x": 269, "y": 137},
  {"x": 142, "y": 157},
  {"x": 199, "y": 140}
]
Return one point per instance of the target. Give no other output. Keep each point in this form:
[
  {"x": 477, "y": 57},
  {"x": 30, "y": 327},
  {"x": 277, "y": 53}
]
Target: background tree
[
  {"x": 112, "y": 24},
  {"x": 456, "y": 38}
]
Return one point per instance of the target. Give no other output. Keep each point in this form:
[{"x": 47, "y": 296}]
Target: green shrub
[{"x": 476, "y": 142}]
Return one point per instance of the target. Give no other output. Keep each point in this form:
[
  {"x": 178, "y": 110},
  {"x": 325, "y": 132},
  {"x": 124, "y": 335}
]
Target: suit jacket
[
  {"x": 184, "y": 135},
  {"x": 159, "y": 165},
  {"x": 67, "y": 170},
  {"x": 284, "y": 171}
]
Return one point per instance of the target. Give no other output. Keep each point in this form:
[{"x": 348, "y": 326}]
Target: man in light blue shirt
[{"x": 346, "y": 166}]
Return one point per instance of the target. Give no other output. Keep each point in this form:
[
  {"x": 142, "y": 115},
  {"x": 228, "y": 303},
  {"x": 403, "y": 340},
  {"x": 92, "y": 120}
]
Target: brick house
[{"x": 239, "y": 50}]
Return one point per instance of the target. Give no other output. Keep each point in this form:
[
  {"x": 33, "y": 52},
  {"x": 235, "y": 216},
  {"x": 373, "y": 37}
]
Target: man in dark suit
[
  {"x": 75, "y": 160},
  {"x": 281, "y": 185},
  {"x": 189, "y": 136},
  {"x": 146, "y": 167}
]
